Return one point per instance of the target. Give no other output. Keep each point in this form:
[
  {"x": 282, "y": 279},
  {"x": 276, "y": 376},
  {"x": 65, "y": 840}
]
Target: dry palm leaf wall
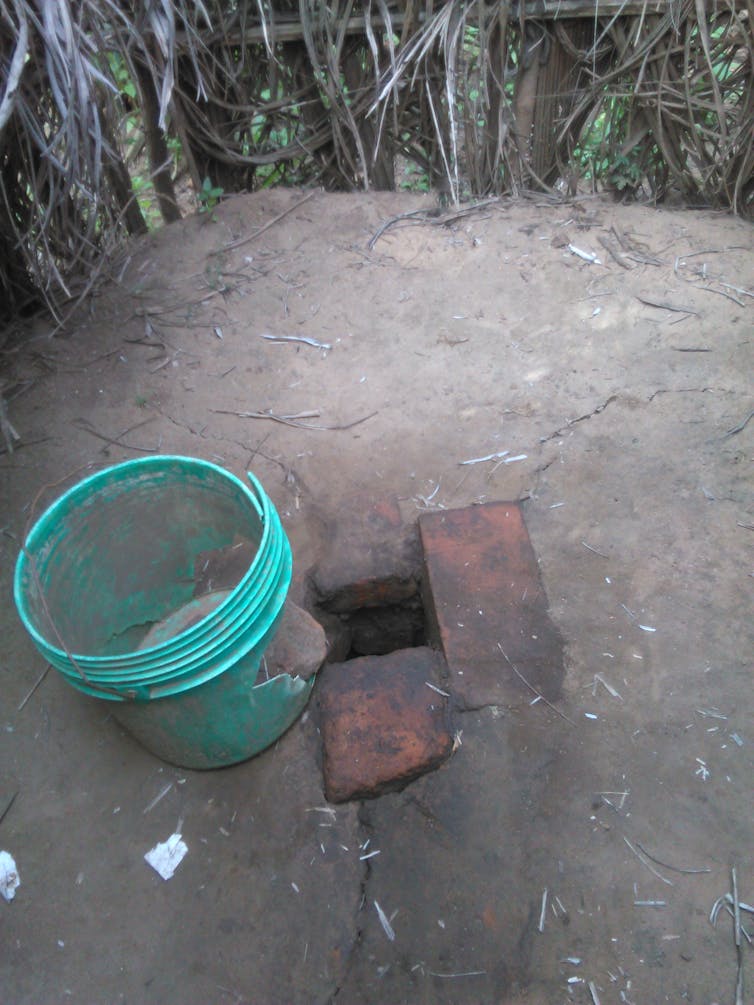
[{"x": 465, "y": 97}]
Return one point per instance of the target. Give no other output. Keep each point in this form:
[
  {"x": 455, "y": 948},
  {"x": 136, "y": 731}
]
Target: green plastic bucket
[
  {"x": 106, "y": 587},
  {"x": 218, "y": 723}
]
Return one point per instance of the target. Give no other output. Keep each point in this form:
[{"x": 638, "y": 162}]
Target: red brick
[
  {"x": 373, "y": 560},
  {"x": 381, "y": 725},
  {"x": 482, "y": 587}
]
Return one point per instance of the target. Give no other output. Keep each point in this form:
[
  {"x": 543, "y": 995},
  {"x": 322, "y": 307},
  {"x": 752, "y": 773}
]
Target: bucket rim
[
  {"x": 212, "y": 659},
  {"x": 94, "y": 483},
  {"x": 182, "y": 683}
]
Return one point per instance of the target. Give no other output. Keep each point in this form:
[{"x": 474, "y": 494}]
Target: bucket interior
[{"x": 119, "y": 554}]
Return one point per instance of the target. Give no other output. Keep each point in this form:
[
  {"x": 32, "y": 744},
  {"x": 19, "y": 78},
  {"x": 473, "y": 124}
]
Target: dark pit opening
[{"x": 375, "y": 631}]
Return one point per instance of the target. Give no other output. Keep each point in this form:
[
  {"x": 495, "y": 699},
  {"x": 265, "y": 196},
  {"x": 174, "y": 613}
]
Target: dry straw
[{"x": 482, "y": 97}]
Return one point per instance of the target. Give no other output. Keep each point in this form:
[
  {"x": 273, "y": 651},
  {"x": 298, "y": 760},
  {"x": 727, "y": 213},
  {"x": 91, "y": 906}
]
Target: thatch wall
[{"x": 482, "y": 97}]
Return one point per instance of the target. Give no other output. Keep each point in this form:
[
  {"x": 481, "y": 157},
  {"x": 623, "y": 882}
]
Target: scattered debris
[
  {"x": 487, "y": 457},
  {"x": 305, "y": 339},
  {"x": 426, "y": 500},
  {"x": 8, "y": 805},
  {"x": 386, "y": 926},
  {"x": 291, "y": 420},
  {"x": 9, "y": 878},
  {"x": 117, "y": 441},
  {"x": 35, "y": 686},
  {"x": 734, "y": 907},
  {"x": 239, "y": 242},
  {"x": 463, "y": 973},
  {"x": 647, "y": 628},
  {"x": 645, "y": 862},
  {"x": 541, "y": 697},
  {"x": 664, "y": 305},
  {"x": 599, "y": 679},
  {"x": 711, "y": 713},
  {"x": 10, "y": 435},
  {"x": 587, "y": 256},
  {"x": 329, "y": 810},
  {"x": 434, "y": 217},
  {"x": 541, "y": 926},
  {"x": 437, "y": 689},
  {"x": 590, "y": 548},
  {"x": 702, "y": 770},
  {"x": 160, "y": 795},
  {"x": 673, "y": 868},
  {"x": 650, "y": 903},
  {"x": 740, "y": 427},
  {"x": 166, "y": 856},
  {"x": 609, "y": 802}
]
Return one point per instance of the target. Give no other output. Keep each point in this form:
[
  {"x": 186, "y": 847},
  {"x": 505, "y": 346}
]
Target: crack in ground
[
  {"x": 581, "y": 418},
  {"x": 366, "y": 831},
  {"x": 679, "y": 390}
]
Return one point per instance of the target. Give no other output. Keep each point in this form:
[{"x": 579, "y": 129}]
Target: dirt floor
[{"x": 624, "y": 386}]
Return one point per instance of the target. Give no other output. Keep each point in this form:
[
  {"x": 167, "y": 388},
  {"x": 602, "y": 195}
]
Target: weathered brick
[
  {"x": 381, "y": 725},
  {"x": 374, "y": 560},
  {"x": 482, "y": 590}
]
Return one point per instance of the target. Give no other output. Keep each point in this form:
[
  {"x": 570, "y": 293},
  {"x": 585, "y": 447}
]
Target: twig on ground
[
  {"x": 296, "y": 338},
  {"x": 34, "y": 688},
  {"x": 673, "y": 868},
  {"x": 6, "y": 427},
  {"x": 292, "y": 420},
  {"x": 270, "y": 223},
  {"x": 664, "y": 305},
  {"x": 523, "y": 680},
  {"x": 433, "y": 216},
  {"x": 8, "y": 805},
  {"x": 740, "y": 427},
  {"x": 463, "y": 973},
  {"x": 647, "y": 864},
  {"x": 737, "y": 939},
  {"x": 615, "y": 254},
  {"x": 384, "y": 921},
  {"x": 86, "y": 427},
  {"x": 722, "y": 293},
  {"x": 590, "y": 548},
  {"x": 543, "y": 911}
]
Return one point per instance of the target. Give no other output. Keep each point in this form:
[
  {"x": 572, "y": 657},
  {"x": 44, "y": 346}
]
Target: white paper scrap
[
  {"x": 167, "y": 856},
  {"x": 9, "y": 879}
]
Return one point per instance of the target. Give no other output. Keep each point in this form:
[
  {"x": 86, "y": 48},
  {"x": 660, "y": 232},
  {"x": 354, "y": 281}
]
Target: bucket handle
[{"x": 257, "y": 498}]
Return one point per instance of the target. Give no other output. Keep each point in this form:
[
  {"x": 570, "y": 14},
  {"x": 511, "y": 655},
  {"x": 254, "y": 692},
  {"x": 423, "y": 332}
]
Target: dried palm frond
[{"x": 485, "y": 96}]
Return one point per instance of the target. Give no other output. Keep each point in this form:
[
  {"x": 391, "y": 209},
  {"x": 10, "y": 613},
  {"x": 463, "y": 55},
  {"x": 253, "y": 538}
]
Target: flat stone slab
[
  {"x": 482, "y": 591},
  {"x": 373, "y": 560},
  {"x": 299, "y": 647},
  {"x": 381, "y": 725}
]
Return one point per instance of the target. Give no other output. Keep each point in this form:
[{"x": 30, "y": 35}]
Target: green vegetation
[{"x": 208, "y": 197}]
